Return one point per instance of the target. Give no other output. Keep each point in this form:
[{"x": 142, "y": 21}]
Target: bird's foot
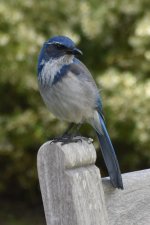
[{"x": 66, "y": 139}]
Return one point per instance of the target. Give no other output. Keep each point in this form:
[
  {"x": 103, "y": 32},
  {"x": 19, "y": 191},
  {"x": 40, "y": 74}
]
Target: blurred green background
[{"x": 115, "y": 39}]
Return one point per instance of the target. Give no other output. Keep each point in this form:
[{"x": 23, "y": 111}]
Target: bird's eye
[
  {"x": 48, "y": 49},
  {"x": 59, "y": 46}
]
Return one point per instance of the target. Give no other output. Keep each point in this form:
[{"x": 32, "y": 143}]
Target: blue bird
[{"x": 70, "y": 93}]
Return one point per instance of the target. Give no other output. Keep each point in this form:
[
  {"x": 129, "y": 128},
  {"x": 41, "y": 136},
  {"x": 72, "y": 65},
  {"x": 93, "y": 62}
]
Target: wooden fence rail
[{"x": 73, "y": 192}]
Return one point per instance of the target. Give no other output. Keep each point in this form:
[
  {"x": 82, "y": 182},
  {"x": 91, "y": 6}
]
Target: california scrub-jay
[{"x": 70, "y": 93}]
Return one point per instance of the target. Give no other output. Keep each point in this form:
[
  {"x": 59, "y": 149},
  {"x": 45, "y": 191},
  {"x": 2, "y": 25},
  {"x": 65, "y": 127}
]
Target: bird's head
[{"x": 57, "y": 47}]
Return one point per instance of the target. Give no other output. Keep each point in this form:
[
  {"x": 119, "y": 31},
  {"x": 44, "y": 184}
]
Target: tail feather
[{"x": 109, "y": 155}]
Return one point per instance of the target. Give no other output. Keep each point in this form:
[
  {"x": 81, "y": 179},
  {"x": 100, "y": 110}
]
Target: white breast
[{"x": 52, "y": 67}]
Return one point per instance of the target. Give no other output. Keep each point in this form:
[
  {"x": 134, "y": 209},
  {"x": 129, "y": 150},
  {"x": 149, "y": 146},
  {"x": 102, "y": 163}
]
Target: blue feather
[
  {"x": 63, "y": 40},
  {"x": 109, "y": 155},
  {"x": 60, "y": 74}
]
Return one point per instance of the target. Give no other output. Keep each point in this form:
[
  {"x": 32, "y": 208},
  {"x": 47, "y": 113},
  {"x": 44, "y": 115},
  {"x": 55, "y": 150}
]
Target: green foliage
[
  {"x": 19, "y": 213},
  {"x": 114, "y": 36}
]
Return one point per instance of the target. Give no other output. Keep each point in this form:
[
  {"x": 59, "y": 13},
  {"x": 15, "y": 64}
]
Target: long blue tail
[{"x": 109, "y": 155}]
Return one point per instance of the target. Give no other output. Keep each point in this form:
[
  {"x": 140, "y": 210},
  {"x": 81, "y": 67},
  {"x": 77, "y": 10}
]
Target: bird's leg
[
  {"x": 70, "y": 135},
  {"x": 66, "y": 134},
  {"x": 71, "y": 127},
  {"x": 74, "y": 130},
  {"x": 75, "y": 138}
]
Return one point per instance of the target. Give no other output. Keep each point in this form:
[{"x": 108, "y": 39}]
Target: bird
[{"x": 71, "y": 94}]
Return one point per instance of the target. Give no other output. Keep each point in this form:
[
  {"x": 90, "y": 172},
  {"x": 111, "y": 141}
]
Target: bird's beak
[
  {"x": 74, "y": 51},
  {"x": 77, "y": 51}
]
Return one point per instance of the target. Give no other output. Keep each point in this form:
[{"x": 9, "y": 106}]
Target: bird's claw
[{"x": 71, "y": 139}]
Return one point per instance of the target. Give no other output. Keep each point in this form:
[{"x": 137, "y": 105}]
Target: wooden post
[
  {"x": 73, "y": 194},
  {"x": 70, "y": 184}
]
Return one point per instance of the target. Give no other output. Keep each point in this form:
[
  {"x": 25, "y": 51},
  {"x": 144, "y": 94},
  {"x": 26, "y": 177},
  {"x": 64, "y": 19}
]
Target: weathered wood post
[
  {"x": 71, "y": 185},
  {"x": 73, "y": 193}
]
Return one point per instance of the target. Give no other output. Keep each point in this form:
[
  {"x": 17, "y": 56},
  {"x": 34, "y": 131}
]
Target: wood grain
[
  {"x": 132, "y": 205},
  {"x": 73, "y": 193},
  {"x": 71, "y": 185}
]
